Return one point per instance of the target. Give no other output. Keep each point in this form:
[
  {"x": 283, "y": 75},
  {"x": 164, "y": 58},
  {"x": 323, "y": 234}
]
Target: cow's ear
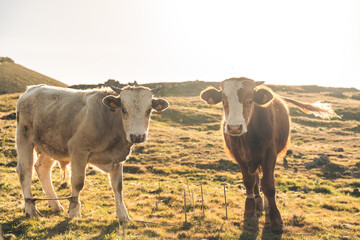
[
  {"x": 263, "y": 97},
  {"x": 159, "y": 104},
  {"x": 211, "y": 95},
  {"x": 112, "y": 102}
]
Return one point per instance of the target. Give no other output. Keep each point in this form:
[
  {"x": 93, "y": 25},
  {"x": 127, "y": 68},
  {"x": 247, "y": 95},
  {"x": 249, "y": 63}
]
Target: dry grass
[
  {"x": 14, "y": 77},
  {"x": 185, "y": 150}
]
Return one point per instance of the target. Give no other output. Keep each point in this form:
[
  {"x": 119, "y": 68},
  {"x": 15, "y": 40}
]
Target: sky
[{"x": 307, "y": 42}]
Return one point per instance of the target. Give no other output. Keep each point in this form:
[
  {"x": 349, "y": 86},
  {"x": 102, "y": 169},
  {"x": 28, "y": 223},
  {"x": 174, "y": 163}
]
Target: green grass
[{"x": 320, "y": 203}]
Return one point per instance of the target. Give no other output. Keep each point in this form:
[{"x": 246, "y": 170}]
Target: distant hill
[
  {"x": 174, "y": 89},
  {"x": 14, "y": 77},
  {"x": 193, "y": 88}
]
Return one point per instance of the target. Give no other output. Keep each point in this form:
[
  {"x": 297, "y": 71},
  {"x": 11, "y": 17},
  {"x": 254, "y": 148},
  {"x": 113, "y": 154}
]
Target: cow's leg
[
  {"x": 249, "y": 181},
  {"x": 78, "y": 167},
  {"x": 24, "y": 168},
  {"x": 266, "y": 205},
  {"x": 258, "y": 199},
  {"x": 116, "y": 177},
  {"x": 268, "y": 187},
  {"x": 43, "y": 168}
]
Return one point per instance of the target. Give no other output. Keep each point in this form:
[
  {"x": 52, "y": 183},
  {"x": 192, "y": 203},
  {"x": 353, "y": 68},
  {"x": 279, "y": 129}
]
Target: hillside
[
  {"x": 193, "y": 88},
  {"x": 14, "y": 77},
  {"x": 185, "y": 149}
]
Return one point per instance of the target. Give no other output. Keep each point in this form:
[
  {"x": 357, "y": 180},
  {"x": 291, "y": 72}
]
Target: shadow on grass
[
  {"x": 16, "y": 227},
  {"x": 251, "y": 230},
  {"x": 111, "y": 228},
  {"x": 19, "y": 227},
  {"x": 59, "y": 229},
  {"x": 64, "y": 227},
  {"x": 268, "y": 232}
]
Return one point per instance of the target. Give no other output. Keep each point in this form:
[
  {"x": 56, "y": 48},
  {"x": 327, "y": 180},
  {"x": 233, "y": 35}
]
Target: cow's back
[
  {"x": 49, "y": 116},
  {"x": 45, "y": 107},
  {"x": 281, "y": 126}
]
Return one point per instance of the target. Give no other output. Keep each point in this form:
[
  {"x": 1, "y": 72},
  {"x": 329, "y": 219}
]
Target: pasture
[{"x": 317, "y": 185}]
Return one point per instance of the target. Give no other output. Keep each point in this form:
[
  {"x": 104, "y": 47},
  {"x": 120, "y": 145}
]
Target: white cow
[{"x": 80, "y": 127}]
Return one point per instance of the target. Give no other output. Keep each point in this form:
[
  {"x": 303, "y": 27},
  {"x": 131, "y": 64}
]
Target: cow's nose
[
  {"x": 137, "y": 138},
  {"x": 235, "y": 129}
]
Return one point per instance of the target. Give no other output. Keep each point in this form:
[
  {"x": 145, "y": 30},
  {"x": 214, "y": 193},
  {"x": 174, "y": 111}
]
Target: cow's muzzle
[
  {"x": 235, "y": 130},
  {"x": 137, "y": 138}
]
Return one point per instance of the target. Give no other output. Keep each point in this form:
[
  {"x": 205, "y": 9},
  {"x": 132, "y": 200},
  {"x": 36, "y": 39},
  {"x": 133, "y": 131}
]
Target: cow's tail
[{"x": 319, "y": 109}]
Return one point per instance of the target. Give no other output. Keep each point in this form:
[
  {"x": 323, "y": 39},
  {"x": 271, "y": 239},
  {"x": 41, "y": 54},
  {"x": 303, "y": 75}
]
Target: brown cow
[{"x": 256, "y": 129}]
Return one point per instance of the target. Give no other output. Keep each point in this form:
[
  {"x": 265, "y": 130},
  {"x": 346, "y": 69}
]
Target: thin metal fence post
[
  {"x": 225, "y": 202},
  {"x": 202, "y": 200},
  {"x": 185, "y": 205},
  {"x": 192, "y": 196}
]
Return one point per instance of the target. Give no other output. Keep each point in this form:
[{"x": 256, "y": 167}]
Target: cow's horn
[
  {"x": 258, "y": 83},
  {"x": 133, "y": 84},
  {"x": 115, "y": 89},
  {"x": 155, "y": 90}
]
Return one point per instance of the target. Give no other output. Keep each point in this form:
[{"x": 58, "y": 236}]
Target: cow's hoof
[
  {"x": 75, "y": 212},
  {"x": 250, "y": 208},
  {"x": 251, "y": 224},
  {"x": 250, "y": 215},
  {"x": 56, "y": 206},
  {"x": 266, "y": 204},
  {"x": 124, "y": 218},
  {"x": 31, "y": 210},
  {"x": 277, "y": 226},
  {"x": 250, "y": 219},
  {"x": 74, "y": 209},
  {"x": 259, "y": 204}
]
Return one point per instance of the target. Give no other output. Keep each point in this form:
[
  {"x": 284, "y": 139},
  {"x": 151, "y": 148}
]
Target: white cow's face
[
  {"x": 135, "y": 104},
  {"x": 238, "y": 96}
]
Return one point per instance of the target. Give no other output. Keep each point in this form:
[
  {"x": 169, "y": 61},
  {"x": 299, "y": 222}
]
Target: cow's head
[
  {"x": 238, "y": 96},
  {"x": 135, "y": 104}
]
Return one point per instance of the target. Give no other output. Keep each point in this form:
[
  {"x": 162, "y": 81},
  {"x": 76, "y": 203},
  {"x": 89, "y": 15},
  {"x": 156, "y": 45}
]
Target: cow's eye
[
  {"x": 123, "y": 110},
  {"x": 249, "y": 102},
  {"x": 148, "y": 112}
]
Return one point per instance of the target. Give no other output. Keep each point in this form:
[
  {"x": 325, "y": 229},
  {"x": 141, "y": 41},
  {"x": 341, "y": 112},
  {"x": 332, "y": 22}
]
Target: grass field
[{"x": 185, "y": 150}]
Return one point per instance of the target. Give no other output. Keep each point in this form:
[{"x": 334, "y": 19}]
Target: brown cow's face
[
  {"x": 135, "y": 105},
  {"x": 238, "y": 96}
]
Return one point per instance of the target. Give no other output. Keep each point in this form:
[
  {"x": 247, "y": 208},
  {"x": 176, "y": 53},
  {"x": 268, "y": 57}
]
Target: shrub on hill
[{"x": 6, "y": 59}]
